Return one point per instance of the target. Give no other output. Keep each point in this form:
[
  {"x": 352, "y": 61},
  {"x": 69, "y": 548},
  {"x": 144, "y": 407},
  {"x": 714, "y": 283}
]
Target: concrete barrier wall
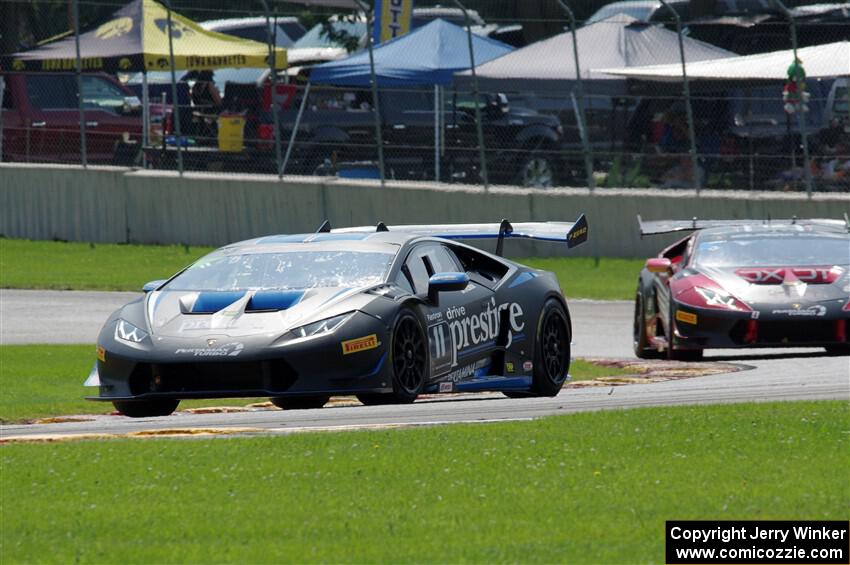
[{"x": 104, "y": 204}]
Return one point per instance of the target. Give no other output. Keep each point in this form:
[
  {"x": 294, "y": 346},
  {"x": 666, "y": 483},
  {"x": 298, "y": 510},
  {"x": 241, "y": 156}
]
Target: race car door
[{"x": 461, "y": 326}]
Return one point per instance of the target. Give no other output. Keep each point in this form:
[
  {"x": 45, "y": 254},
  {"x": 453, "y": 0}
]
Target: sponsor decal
[
  {"x": 483, "y": 327},
  {"x": 124, "y": 64},
  {"x": 578, "y": 233},
  {"x": 509, "y": 367},
  {"x": 195, "y": 325},
  {"x": 443, "y": 353},
  {"x": 466, "y": 371},
  {"x": 360, "y": 344},
  {"x": 101, "y": 353},
  {"x": 527, "y": 366},
  {"x": 754, "y": 315},
  {"x": 463, "y": 330},
  {"x": 687, "y": 317},
  {"x": 435, "y": 317},
  {"x": 232, "y": 349},
  {"x": 114, "y": 28},
  {"x": 796, "y": 311},
  {"x": 446, "y": 387}
]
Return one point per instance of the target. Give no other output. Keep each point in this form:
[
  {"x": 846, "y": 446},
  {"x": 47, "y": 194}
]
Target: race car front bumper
[
  {"x": 706, "y": 328},
  {"x": 350, "y": 363}
]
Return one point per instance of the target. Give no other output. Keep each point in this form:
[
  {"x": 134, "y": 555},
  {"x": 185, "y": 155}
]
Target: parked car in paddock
[
  {"x": 41, "y": 119},
  {"x": 381, "y": 313},
  {"x": 742, "y": 284},
  {"x": 524, "y": 147}
]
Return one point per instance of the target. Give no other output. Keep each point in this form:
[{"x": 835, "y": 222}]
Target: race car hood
[
  {"x": 772, "y": 285},
  {"x": 245, "y": 313}
]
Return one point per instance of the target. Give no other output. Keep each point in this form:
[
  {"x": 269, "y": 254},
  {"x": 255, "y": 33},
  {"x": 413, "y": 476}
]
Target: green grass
[
  {"x": 83, "y": 266},
  {"x": 46, "y": 380},
  {"x": 585, "y": 277},
  {"x": 583, "y": 488}
]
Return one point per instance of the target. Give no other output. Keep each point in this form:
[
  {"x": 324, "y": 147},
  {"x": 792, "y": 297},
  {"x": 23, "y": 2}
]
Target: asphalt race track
[{"x": 602, "y": 329}]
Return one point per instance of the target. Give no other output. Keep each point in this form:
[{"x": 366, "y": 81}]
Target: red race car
[{"x": 744, "y": 283}]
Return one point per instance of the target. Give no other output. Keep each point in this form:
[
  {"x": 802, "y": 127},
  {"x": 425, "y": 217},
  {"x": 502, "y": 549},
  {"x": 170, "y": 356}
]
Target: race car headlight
[
  {"x": 717, "y": 297},
  {"x": 125, "y": 331},
  {"x": 325, "y": 326}
]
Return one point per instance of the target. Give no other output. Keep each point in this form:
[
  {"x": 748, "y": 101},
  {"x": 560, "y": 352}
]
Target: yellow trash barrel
[{"x": 231, "y": 132}]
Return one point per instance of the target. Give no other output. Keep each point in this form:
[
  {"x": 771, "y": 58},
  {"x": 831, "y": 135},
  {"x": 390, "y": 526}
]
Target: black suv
[{"x": 523, "y": 146}]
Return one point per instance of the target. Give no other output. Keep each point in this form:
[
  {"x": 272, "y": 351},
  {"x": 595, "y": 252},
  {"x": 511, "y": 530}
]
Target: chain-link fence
[{"x": 289, "y": 90}]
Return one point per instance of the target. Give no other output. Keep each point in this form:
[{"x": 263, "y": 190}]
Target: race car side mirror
[
  {"x": 658, "y": 265},
  {"x": 153, "y": 285},
  {"x": 446, "y": 282}
]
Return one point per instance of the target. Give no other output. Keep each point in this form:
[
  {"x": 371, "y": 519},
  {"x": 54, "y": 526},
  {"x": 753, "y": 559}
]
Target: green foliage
[
  {"x": 630, "y": 178},
  {"x": 583, "y": 488}
]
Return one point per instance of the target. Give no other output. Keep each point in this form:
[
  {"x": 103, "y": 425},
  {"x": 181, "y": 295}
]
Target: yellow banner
[{"x": 393, "y": 19}]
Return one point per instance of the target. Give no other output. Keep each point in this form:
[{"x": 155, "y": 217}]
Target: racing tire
[
  {"x": 838, "y": 349},
  {"x": 409, "y": 359},
  {"x": 536, "y": 171},
  {"x": 146, "y": 408},
  {"x": 640, "y": 339},
  {"x": 552, "y": 350},
  {"x": 680, "y": 354},
  {"x": 299, "y": 402}
]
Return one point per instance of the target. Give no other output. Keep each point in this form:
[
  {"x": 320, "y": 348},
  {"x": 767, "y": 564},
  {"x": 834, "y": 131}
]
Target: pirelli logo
[
  {"x": 687, "y": 317},
  {"x": 360, "y": 344}
]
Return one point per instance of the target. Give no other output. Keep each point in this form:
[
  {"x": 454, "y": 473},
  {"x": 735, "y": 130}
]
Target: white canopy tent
[{"x": 819, "y": 61}]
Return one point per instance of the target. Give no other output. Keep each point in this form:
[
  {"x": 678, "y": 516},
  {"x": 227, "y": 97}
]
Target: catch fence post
[
  {"x": 686, "y": 92},
  {"x": 373, "y": 79},
  {"x": 800, "y": 82},
  {"x": 174, "y": 101},
  {"x": 273, "y": 80},
  {"x": 482, "y": 154},
  {"x": 79, "y": 68},
  {"x": 585, "y": 142}
]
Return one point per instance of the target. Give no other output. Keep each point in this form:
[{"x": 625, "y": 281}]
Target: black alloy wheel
[
  {"x": 552, "y": 355},
  {"x": 410, "y": 357},
  {"x": 409, "y": 360}
]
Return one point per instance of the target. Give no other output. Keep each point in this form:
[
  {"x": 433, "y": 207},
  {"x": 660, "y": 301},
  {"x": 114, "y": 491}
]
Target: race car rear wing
[
  {"x": 670, "y": 226},
  {"x": 572, "y": 233}
]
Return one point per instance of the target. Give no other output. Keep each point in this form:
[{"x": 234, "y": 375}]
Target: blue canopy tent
[{"x": 429, "y": 55}]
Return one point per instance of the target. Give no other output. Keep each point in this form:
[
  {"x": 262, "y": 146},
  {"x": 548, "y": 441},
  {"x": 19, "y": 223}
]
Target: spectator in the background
[
  {"x": 205, "y": 95},
  {"x": 206, "y": 105}
]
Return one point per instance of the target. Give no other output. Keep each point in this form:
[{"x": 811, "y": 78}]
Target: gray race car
[{"x": 383, "y": 313}]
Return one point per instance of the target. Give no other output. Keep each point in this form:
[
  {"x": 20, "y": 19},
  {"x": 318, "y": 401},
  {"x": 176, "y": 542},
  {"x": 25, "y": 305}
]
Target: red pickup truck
[{"x": 41, "y": 120}]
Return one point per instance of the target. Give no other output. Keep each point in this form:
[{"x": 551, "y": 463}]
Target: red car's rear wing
[{"x": 669, "y": 226}]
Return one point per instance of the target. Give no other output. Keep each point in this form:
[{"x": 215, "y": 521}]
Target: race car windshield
[
  {"x": 773, "y": 251},
  {"x": 283, "y": 271}
]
